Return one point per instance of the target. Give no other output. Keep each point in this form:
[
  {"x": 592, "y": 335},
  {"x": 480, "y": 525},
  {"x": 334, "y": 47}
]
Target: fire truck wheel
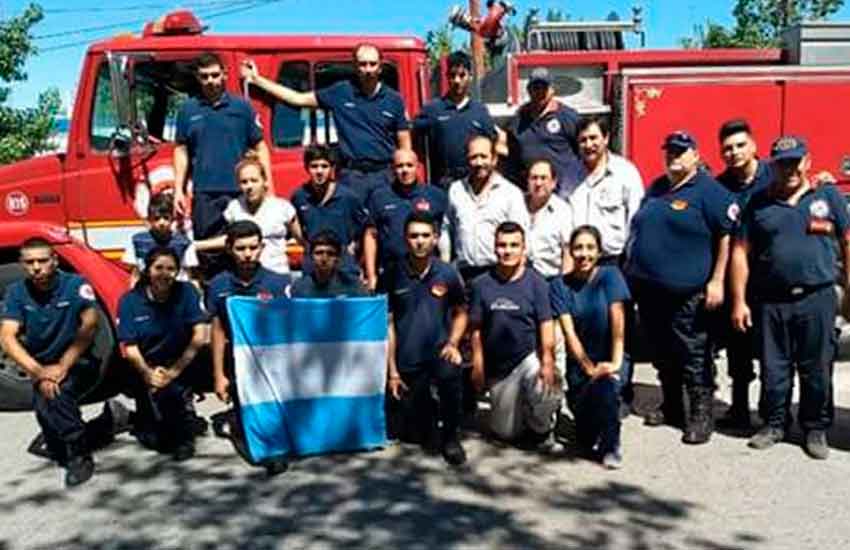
[{"x": 15, "y": 386}]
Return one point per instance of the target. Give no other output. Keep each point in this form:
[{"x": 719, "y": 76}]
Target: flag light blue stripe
[
  {"x": 266, "y": 323},
  {"x": 313, "y": 426}
]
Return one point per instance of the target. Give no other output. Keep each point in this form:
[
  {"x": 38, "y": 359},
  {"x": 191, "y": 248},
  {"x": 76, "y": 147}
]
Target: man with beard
[
  {"x": 785, "y": 255},
  {"x": 477, "y": 205},
  {"x": 448, "y": 122},
  {"x": 427, "y": 321},
  {"x": 214, "y": 131},
  {"x": 323, "y": 205},
  {"x": 384, "y": 242},
  {"x": 370, "y": 118}
]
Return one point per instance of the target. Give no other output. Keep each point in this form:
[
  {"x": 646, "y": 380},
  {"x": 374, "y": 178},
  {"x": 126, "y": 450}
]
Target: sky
[{"x": 59, "y": 62}]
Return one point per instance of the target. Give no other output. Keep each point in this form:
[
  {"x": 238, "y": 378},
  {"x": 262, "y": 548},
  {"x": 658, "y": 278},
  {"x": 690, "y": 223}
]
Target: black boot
[
  {"x": 737, "y": 416},
  {"x": 700, "y": 418},
  {"x": 671, "y": 409},
  {"x": 79, "y": 467}
]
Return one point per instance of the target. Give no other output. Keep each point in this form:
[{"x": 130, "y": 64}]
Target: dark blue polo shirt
[
  {"x": 336, "y": 287},
  {"x": 265, "y": 285},
  {"x": 793, "y": 246},
  {"x": 673, "y": 236},
  {"x": 145, "y": 241},
  {"x": 49, "y": 321},
  {"x": 509, "y": 314},
  {"x": 588, "y": 303},
  {"x": 553, "y": 137},
  {"x": 421, "y": 308},
  {"x": 389, "y": 208},
  {"x": 161, "y": 330},
  {"x": 744, "y": 191},
  {"x": 217, "y": 137},
  {"x": 366, "y": 126},
  {"x": 447, "y": 129}
]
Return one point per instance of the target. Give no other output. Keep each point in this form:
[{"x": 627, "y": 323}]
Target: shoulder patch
[
  {"x": 819, "y": 208},
  {"x": 86, "y": 292},
  {"x": 733, "y": 212},
  {"x": 553, "y": 126}
]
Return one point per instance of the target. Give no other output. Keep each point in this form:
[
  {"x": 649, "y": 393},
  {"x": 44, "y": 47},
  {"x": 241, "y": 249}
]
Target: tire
[{"x": 15, "y": 386}]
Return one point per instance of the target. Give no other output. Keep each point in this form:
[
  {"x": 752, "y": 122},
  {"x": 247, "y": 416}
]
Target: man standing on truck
[
  {"x": 545, "y": 128},
  {"x": 446, "y": 124},
  {"x": 213, "y": 133},
  {"x": 370, "y": 118}
]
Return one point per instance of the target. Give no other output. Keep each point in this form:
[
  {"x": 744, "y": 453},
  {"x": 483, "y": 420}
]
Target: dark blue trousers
[
  {"x": 413, "y": 418},
  {"x": 797, "y": 334},
  {"x": 364, "y": 182},
  {"x": 163, "y": 419},
  {"x": 596, "y": 407}
]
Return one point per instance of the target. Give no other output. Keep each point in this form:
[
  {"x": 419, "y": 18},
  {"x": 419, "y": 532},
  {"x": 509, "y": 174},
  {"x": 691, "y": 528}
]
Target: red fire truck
[{"x": 91, "y": 197}]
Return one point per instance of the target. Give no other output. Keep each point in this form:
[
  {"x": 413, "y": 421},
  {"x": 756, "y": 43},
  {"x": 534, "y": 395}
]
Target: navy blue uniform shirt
[
  {"x": 49, "y": 321},
  {"x": 337, "y": 287},
  {"x": 217, "y": 137},
  {"x": 265, "y": 285},
  {"x": 793, "y": 245},
  {"x": 744, "y": 191},
  {"x": 145, "y": 241},
  {"x": 161, "y": 330},
  {"x": 588, "y": 303},
  {"x": 673, "y": 237},
  {"x": 447, "y": 129},
  {"x": 552, "y": 137},
  {"x": 390, "y": 206},
  {"x": 509, "y": 314},
  {"x": 421, "y": 307},
  {"x": 366, "y": 126}
]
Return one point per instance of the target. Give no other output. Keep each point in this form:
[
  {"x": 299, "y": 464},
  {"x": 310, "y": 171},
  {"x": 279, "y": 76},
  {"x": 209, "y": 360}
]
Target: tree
[
  {"x": 759, "y": 23},
  {"x": 439, "y": 42},
  {"x": 23, "y": 132}
]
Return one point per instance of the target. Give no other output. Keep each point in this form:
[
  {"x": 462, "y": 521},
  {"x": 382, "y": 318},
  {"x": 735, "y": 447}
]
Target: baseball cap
[
  {"x": 540, "y": 75},
  {"x": 679, "y": 140},
  {"x": 788, "y": 147}
]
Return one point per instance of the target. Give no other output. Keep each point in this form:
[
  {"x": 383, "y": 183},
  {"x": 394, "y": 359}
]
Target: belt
[
  {"x": 791, "y": 293},
  {"x": 365, "y": 165}
]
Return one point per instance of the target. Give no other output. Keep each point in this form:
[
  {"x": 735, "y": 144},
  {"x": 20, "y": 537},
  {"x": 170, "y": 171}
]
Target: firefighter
[
  {"x": 676, "y": 265},
  {"x": 369, "y": 116},
  {"x": 389, "y": 206},
  {"x": 324, "y": 280},
  {"x": 161, "y": 329},
  {"x": 785, "y": 256},
  {"x": 48, "y": 325},
  {"x": 744, "y": 176},
  {"x": 427, "y": 320},
  {"x": 545, "y": 128},
  {"x": 448, "y": 122}
]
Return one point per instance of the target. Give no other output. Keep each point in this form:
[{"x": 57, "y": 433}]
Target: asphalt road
[{"x": 720, "y": 496}]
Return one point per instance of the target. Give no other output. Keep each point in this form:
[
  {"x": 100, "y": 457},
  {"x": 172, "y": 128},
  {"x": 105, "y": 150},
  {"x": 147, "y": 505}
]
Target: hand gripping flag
[{"x": 310, "y": 374}]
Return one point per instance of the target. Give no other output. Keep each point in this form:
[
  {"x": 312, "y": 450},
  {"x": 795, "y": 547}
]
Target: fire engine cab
[{"x": 89, "y": 199}]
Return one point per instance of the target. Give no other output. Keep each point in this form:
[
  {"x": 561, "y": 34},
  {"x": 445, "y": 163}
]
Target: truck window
[
  {"x": 293, "y": 127},
  {"x": 160, "y": 87}
]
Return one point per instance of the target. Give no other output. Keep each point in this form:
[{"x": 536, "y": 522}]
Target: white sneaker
[{"x": 612, "y": 460}]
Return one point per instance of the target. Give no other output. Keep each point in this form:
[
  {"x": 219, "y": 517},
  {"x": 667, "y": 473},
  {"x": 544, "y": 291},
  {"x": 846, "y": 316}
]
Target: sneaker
[
  {"x": 79, "y": 470},
  {"x": 816, "y": 444},
  {"x": 612, "y": 460},
  {"x": 766, "y": 437},
  {"x": 275, "y": 466},
  {"x": 183, "y": 452},
  {"x": 453, "y": 452},
  {"x": 549, "y": 445}
]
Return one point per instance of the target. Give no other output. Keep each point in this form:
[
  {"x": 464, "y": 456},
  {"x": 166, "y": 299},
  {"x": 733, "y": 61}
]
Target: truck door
[{"x": 125, "y": 143}]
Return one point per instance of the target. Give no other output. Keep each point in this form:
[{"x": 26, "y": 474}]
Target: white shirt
[
  {"x": 473, "y": 219},
  {"x": 609, "y": 201},
  {"x": 273, "y": 216},
  {"x": 549, "y": 235}
]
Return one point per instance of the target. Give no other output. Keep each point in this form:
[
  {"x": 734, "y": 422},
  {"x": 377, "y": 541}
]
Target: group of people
[{"x": 518, "y": 288}]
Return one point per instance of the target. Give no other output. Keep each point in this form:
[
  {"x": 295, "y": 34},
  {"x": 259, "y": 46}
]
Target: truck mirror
[{"x": 120, "y": 73}]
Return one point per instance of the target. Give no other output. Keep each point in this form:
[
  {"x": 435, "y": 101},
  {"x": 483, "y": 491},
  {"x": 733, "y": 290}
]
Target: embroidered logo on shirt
[
  {"x": 504, "y": 304},
  {"x": 350, "y": 104},
  {"x": 64, "y": 303},
  {"x": 553, "y": 126},
  {"x": 679, "y": 205},
  {"x": 86, "y": 292},
  {"x": 422, "y": 205},
  {"x": 193, "y": 118},
  {"x": 388, "y": 114},
  {"x": 142, "y": 318},
  {"x": 264, "y": 295},
  {"x": 733, "y": 211},
  {"x": 819, "y": 209},
  {"x": 439, "y": 290},
  {"x": 443, "y": 118}
]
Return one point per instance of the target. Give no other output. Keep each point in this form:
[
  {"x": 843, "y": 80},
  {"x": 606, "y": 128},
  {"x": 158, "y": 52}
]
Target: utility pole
[{"x": 476, "y": 42}]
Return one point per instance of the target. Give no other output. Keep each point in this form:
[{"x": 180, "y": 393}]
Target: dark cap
[
  {"x": 788, "y": 147},
  {"x": 679, "y": 140},
  {"x": 540, "y": 75}
]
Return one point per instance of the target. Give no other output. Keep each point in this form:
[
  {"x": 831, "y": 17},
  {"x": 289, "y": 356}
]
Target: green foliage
[
  {"x": 759, "y": 23},
  {"x": 439, "y": 42},
  {"x": 23, "y": 132}
]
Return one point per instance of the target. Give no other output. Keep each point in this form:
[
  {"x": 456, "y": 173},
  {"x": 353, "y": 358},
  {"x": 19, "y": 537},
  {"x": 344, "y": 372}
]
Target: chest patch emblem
[
  {"x": 264, "y": 295},
  {"x": 422, "y": 206},
  {"x": 733, "y": 211},
  {"x": 504, "y": 304},
  {"x": 553, "y": 126},
  {"x": 679, "y": 205},
  {"x": 819, "y": 209},
  {"x": 86, "y": 292},
  {"x": 439, "y": 290}
]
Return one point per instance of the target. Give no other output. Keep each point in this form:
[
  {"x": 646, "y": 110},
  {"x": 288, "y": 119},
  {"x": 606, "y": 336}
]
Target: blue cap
[
  {"x": 540, "y": 75},
  {"x": 788, "y": 147},
  {"x": 679, "y": 140}
]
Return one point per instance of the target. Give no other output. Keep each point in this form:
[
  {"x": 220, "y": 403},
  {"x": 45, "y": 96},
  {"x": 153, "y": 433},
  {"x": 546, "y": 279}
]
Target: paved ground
[{"x": 715, "y": 497}]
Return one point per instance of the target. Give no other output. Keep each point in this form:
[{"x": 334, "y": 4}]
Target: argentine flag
[{"x": 310, "y": 373}]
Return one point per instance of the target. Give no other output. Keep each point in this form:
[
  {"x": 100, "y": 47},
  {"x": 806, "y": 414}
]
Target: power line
[
  {"x": 251, "y": 5},
  {"x": 139, "y": 7}
]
